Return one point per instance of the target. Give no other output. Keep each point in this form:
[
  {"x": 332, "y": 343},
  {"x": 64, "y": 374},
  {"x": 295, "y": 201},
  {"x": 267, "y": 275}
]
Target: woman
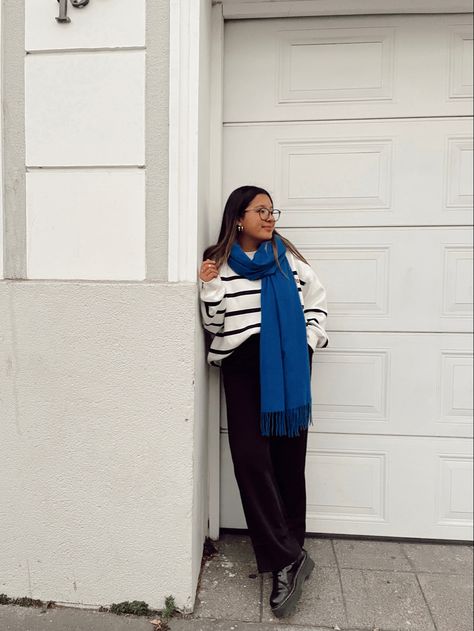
[{"x": 266, "y": 309}]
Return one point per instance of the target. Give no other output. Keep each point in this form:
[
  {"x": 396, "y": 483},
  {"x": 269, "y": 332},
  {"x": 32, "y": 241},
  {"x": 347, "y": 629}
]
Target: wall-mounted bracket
[{"x": 77, "y": 4}]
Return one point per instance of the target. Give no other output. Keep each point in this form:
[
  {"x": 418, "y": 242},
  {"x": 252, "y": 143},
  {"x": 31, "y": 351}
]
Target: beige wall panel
[
  {"x": 85, "y": 109},
  {"x": 87, "y": 224},
  {"x": 99, "y": 24}
]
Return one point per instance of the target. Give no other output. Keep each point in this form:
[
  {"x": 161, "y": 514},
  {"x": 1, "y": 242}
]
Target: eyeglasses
[{"x": 265, "y": 213}]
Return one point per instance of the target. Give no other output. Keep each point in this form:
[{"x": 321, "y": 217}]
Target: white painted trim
[
  {"x": 214, "y": 451},
  {"x": 215, "y": 198},
  {"x": 235, "y": 9},
  {"x": 183, "y": 140},
  {"x": 2, "y": 197}
]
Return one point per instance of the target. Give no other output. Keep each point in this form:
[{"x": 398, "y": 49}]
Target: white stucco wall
[
  {"x": 96, "y": 461},
  {"x": 103, "y": 458}
]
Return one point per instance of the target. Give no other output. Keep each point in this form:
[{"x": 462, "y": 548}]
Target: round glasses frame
[{"x": 265, "y": 213}]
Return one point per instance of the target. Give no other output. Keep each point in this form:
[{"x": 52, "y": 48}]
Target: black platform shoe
[{"x": 288, "y": 584}]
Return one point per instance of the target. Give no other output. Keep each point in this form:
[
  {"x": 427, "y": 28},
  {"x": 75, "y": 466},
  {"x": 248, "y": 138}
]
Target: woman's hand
[{"x": 208, "y": 270}]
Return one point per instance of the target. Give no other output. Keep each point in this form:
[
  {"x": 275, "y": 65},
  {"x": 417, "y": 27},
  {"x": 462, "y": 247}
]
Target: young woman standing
[{"x": 266, "y": 310}]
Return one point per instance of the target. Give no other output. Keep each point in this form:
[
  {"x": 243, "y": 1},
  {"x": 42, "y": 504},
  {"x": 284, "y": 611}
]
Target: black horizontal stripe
[
  {"x": 236, "y": 331},
  {"x": 213, "y": 324},
  {"x": 238, "y": 277},
  {"x": 243, "y": 293},
  {"x": 212, "y": 304},
  {"x": 227, "y": 278},
  {"x": 317, "y": 310},
  {"x": 242, "y": 311},
  {"x": 313, "y": 320},
  {"x": 325, "y": 344},
  {"x": 218, "y": 352}
]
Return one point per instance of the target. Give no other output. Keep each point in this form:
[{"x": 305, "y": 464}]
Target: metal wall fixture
[{"x": 77, "y": 4}]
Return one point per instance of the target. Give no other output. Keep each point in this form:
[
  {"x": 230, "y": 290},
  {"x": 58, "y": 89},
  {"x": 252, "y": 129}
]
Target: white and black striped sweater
[{"x": 230, "y": 308}]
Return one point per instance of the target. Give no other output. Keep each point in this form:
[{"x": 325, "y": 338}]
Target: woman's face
[{"x": 256, "y": 228}]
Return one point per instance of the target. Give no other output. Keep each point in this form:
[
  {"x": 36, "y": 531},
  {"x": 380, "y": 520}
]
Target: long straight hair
[{"x": 234, "y": 209}]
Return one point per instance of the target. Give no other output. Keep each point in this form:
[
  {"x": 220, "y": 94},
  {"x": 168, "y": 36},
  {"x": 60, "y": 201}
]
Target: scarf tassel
[{"x": 286, "y": 422}]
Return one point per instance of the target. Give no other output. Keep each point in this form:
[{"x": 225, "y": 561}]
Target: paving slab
[
  {"x": 229, "y": 589},
  {"x": 450, "y": 599},
  {"x": 364, "y": 585},
  {"x": 386, "y": 600},
  {"x": 15, "y": 618},
  {"x": 371, "y": 555},
  {"x": 235, "y": 625},
  {"x": 444, "y": 558},
  {"x": 321, "y": 551},
  {"x": 237, "y": 546}
]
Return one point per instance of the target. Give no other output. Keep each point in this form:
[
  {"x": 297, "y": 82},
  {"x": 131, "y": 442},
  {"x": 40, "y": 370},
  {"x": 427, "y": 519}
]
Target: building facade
[{"x": 123, "y": 132}]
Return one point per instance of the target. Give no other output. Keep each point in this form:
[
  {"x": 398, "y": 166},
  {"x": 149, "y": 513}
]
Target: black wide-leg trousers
[{"x": 270, "y": 470}]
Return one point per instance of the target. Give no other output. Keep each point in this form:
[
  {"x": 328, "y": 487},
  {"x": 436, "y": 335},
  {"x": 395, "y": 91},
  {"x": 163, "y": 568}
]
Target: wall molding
[
  {"x": 183, "y": 140},
  {"x": 157, "y": 139},
  {"x": 240, "y": 9},
  {"x": 13, "y": 190}
]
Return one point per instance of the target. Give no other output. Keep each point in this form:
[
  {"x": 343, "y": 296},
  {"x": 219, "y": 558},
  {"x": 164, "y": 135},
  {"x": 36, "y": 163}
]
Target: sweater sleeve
[
  {"x": 315, "y": 305},
  {"x": 212, "y": 294}
]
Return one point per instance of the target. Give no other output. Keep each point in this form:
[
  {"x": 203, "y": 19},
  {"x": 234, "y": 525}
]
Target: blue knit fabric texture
[{"x": 285, "y": 385}]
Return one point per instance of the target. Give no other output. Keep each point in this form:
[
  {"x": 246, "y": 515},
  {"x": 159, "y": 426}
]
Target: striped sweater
[{"x": 231, "y": 312}]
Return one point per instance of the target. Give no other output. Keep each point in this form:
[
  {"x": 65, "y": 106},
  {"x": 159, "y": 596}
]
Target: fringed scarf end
[{"x": 286, "y": 422}]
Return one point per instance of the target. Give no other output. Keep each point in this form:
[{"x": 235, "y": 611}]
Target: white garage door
[{"x": 361, "y": 129}]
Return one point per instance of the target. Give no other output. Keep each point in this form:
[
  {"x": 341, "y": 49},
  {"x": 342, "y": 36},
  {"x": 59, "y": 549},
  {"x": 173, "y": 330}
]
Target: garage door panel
[
  {"x": 361, "y": 130},
  {"x": 461, "y": 61},
  {"x": 358, "y": 484},
  {"x": 352, "y": 67},
  {"x": 362, "y": 481},
  {"x": 392, "y": 383},
  {"x": 397, "y": 279},
  {"x": 404, "y": 172},
  {"x": 343, "y": 65}
]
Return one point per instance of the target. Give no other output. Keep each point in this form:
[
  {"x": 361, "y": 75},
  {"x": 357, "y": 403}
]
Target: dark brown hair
[{"x": 236, "y": 203}]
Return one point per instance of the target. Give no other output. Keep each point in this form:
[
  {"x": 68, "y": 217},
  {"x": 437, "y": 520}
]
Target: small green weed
[
  {"x": 170, "y": 607},
  {"x": 135, "y": 607},
  {"x": 141, "y": 608},
  {"x": 22, "y": 601}
]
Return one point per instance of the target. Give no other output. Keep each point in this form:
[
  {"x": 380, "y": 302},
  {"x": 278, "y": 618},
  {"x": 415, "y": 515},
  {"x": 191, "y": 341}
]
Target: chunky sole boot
[{"x": 288, "y": 585}]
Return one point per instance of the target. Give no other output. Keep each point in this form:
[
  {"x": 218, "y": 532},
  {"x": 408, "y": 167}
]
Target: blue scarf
[{"x": 285, "y": 386}]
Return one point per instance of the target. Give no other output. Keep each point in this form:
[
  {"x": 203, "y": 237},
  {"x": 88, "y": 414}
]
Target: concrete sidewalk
[{"x": 356, "y": 585}]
